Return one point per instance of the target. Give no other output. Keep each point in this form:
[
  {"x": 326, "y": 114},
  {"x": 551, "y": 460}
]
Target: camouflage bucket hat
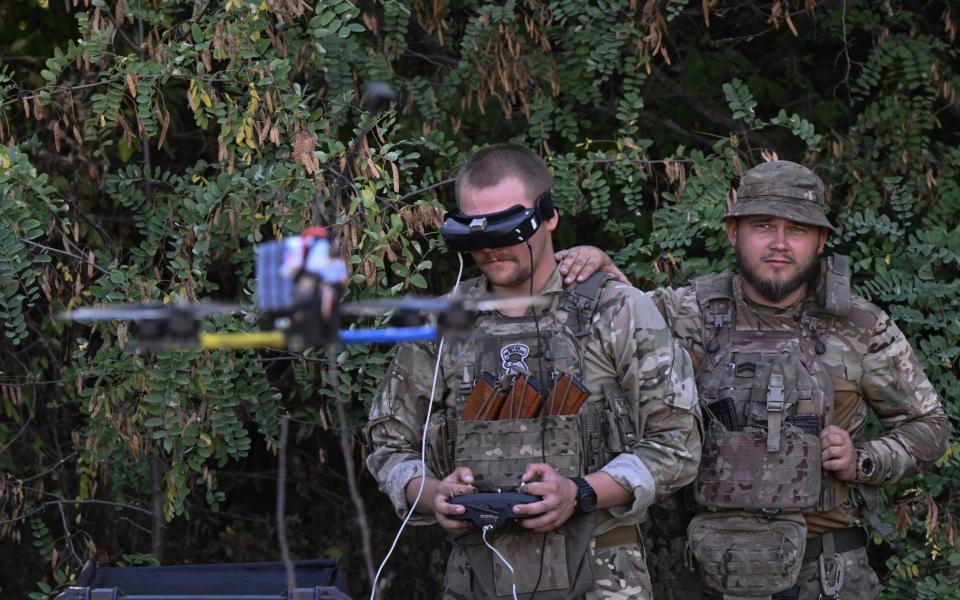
[{"x": 784, "y": 189}]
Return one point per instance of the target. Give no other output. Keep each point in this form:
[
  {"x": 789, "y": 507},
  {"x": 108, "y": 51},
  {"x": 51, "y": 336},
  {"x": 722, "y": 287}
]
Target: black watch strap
[{"x": 586, "y": 500}]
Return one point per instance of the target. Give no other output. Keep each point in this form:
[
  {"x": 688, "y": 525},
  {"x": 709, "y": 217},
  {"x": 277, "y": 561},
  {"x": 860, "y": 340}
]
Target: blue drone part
[{"x": 389, "y": 335}]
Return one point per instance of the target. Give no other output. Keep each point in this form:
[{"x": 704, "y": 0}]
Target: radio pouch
[{"x": 567, "y": 573}]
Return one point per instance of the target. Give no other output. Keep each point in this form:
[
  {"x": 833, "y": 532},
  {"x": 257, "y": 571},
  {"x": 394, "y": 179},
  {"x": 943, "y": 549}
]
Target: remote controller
[{"x": 491, "y": 508}]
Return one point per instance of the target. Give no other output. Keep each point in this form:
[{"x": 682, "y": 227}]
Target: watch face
[{"x": 865, "y": 465}]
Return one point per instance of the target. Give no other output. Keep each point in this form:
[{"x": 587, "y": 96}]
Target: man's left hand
[
  {"x": 838, "y": 454},
  {"x": 558, "y": 497}
]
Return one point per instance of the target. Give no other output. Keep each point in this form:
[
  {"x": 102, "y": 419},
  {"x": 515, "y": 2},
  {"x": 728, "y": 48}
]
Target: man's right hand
[
  {"x": 435, "y": 496},
  {"x": 580, "y": 262}
]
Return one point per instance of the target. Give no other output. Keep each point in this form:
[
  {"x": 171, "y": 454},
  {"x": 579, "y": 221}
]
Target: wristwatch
[
  {"x": 865, "y": 465},
  {"x": 586, "y": 500}
]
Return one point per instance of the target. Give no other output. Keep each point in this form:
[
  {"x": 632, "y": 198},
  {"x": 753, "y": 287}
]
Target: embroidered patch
[{"x": 512, "y": 356}]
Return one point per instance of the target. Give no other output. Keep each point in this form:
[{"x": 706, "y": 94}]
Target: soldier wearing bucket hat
[{"x": 788, "y": 364}]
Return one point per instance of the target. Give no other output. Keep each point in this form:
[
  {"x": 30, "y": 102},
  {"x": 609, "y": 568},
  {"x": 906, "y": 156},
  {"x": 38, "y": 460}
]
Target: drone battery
[{"x": 274, "y": 287}]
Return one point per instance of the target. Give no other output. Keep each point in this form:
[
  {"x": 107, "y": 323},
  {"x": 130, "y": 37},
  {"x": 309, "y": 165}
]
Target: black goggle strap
[{"x": 543, "y": 206}]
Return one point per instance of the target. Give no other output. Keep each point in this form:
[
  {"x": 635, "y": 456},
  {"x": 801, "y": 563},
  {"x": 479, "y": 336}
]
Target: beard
[{"x": 776, "y": 290}]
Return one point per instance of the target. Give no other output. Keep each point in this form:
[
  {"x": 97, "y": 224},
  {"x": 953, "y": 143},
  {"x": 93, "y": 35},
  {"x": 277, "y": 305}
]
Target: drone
[{"x": 300, "y": 284}]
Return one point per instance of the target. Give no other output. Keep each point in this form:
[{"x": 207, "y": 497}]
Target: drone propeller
[{"x": 148, "y": 311}]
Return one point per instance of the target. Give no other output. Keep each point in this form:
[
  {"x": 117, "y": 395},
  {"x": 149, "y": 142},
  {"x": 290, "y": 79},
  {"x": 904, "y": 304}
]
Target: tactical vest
[
  {"x": 545, "y": 346},
  {"x": 766, "y": 396},
  {"x": 497, "y": 452}
]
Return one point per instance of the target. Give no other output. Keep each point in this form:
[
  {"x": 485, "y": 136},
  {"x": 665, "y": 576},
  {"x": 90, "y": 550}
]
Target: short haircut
[{"x": 493, "y": 164}]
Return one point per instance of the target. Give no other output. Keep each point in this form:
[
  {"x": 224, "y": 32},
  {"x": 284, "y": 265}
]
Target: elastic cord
[
  {"x": 543, "y": 409},
  {"x": 423, "y": 449}
]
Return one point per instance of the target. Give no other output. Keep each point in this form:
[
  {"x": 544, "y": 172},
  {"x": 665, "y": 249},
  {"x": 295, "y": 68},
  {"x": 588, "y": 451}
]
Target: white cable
[
  {"x": 423, "y": 451},
  {"x": 513, "y": 584}
]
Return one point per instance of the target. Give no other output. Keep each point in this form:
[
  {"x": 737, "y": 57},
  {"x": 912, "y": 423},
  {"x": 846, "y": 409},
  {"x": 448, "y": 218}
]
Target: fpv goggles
[{"x": 466, "y": 233}]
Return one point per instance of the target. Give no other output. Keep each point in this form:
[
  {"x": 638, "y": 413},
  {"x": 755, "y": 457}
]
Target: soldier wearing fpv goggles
[{"x": 595, "y": 468}]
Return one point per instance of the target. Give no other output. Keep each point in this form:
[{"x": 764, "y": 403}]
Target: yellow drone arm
[{"x": 236, "y": 340}]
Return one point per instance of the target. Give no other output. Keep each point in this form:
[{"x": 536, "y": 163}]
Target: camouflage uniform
[
  {"x": 869, "y": 362},
  {"x": 872, "y": 367},
  {"x": 625, "y": 341}
]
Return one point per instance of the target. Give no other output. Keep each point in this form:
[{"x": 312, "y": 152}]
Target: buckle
[
  {"x": 718, "y": 320},
  {"x": 831, "y": 590},
  {"x": 813, "y": 323},
  {"x": 626, "y": 428},
  {"x": 775, "y": 399}
]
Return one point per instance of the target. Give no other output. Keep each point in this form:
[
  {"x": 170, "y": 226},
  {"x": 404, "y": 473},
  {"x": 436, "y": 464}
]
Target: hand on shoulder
[{"x": 580, "y": 262}]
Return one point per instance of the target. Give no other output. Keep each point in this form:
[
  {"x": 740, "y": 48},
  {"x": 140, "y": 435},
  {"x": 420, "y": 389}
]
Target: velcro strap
[
  {"x": 774, "y": 411},
  {"x": 844, "y": 540},
  {"x": 621, "y": 415}
]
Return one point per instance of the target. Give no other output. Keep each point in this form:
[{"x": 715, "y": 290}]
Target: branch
[
  {"x": 49, "y": 503},
  {"x": 348, "y": 463},
  {"x": 428, "y": 188},
  {"x": 51, "y": 469},
  {"x": 158, "y": 532},
  {"x": 68, "y": 534},
  {"x": 14, "y": 438},
  {"x": 846, "y": 52},
  {"x": 670, "y": 124},
  {"x": 719, "y": 118},
  {"x": 70, "y": 254},
  {"x": 281, "y": 501}
]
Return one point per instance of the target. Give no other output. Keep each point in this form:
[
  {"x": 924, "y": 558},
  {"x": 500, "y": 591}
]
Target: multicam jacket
[
  {"x": 626, "y": 341},
  {"x": 871, "y": 366}
]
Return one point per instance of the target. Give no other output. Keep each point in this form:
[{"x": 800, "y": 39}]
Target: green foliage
[
  {"x": 27, "y": 204},
  {"x": 741, "y": 102},
  {"x": 147, "y": 169}
]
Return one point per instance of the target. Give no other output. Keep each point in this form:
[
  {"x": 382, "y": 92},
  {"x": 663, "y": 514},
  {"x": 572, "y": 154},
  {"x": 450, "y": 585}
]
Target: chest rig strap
[
  {"x": 775, "y": 408},
  {"x": 715, "y": 295},
  {"x": 583, "y": 300},
  {"x": 814, "y": 324}
]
